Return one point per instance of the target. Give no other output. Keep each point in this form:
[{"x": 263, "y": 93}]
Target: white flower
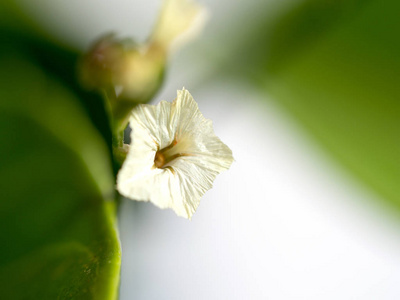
[{"x": 174, "y": 157}]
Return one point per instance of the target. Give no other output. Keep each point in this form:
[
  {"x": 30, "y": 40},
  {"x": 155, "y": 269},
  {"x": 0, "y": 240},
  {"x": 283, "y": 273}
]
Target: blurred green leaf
[
  {"x": 57, "y": 207},
  {"x": 335, "y": 65}
]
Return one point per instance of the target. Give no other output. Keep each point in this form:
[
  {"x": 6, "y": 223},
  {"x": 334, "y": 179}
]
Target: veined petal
[
  {"x": 152, "y": 124},
  {"x": 197, "y": 135}
]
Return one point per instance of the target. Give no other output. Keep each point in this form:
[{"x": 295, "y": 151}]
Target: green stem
[{"x": 118, "y": 139}]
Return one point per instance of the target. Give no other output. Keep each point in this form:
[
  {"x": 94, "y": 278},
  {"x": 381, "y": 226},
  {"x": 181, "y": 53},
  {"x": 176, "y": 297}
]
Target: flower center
[
  {"x": 166, "y": 155},
  {"x": 159, "y": 160}
]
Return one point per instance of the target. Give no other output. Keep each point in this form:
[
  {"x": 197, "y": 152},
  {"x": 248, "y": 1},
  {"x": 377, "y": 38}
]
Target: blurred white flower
[
  {"x": 174, "y": 157},
  {"x": 179, "y": 21}
]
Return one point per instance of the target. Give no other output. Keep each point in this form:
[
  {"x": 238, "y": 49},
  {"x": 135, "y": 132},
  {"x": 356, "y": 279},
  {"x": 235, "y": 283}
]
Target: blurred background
[{"x": 306, "y": 94}]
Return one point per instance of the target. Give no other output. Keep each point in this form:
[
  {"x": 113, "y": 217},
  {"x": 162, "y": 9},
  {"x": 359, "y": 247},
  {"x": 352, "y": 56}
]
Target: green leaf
[
  {"x": 335, "y": 65},
  {"x": 57, "y": 207}
]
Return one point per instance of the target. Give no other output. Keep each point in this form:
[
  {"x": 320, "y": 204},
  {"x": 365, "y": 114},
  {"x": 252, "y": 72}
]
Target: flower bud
[
  {"x": 100, "y": 64},
  {"x": 126, "y": 73}
]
